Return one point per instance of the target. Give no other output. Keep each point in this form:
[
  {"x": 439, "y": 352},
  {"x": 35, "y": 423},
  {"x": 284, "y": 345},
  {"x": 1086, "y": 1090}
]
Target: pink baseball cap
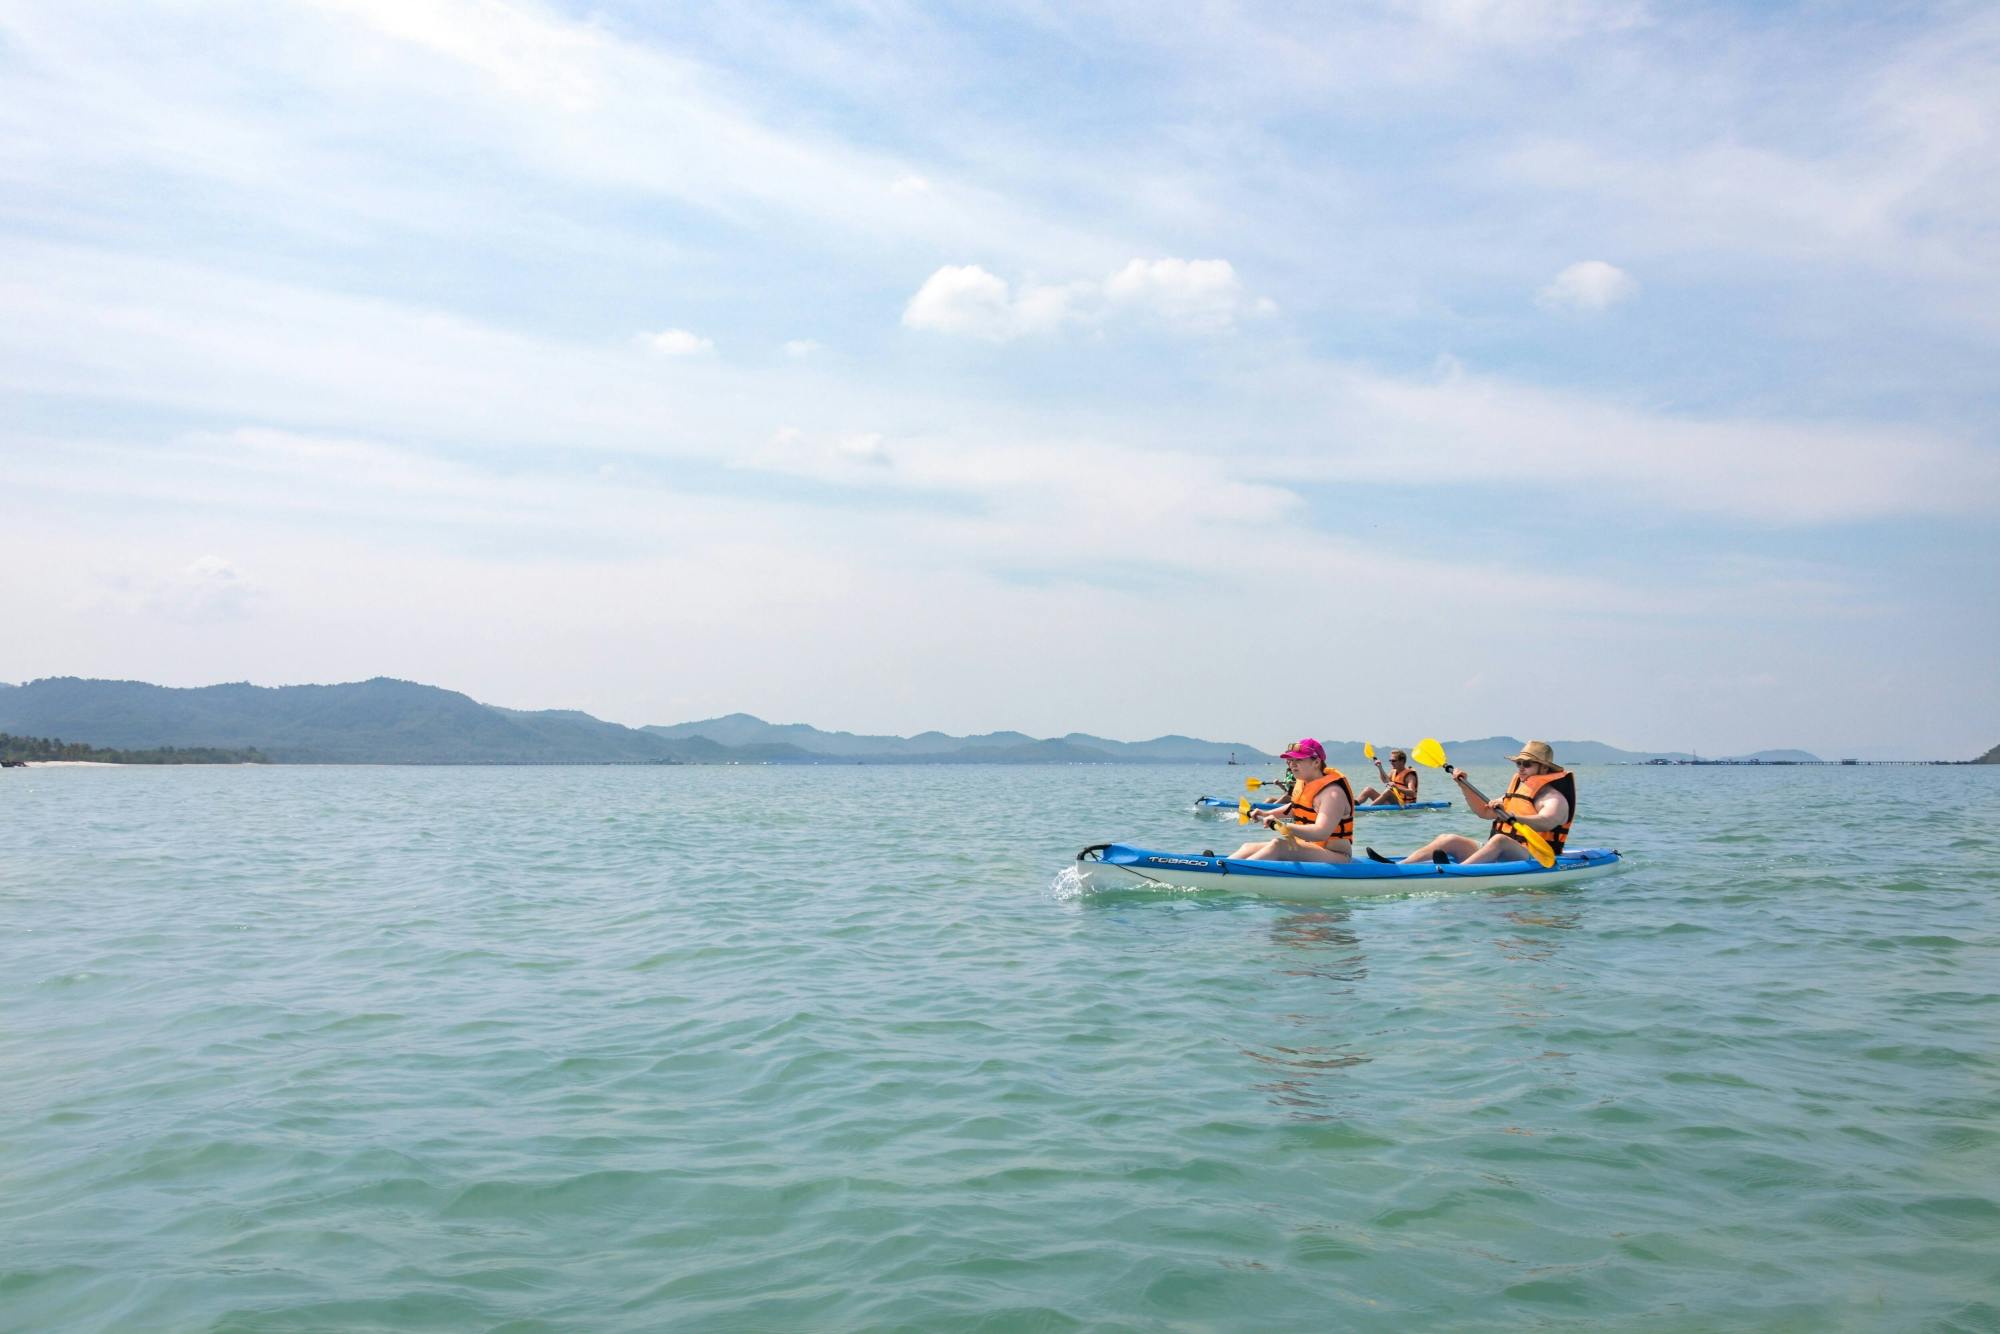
[{"x": 1305, "y": 748}]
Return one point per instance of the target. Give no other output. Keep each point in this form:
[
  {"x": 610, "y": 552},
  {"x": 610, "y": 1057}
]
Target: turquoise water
[{"x": 836, "y": 1048}]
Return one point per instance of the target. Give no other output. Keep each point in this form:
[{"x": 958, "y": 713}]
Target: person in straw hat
[
  {"x": 1542, "y": 796},
  {"x": 1317, "y": 822}
]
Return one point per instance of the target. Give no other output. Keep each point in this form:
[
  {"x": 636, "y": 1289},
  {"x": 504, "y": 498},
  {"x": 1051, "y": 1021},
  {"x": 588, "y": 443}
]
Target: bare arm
[
  {"x": 1474, "y": 797},
  {"x": 1331, "y": 809},
  {"x": 1550, "y": 811}
]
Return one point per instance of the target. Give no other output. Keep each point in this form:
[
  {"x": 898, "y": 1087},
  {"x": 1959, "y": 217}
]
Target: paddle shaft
[{"x": 1470, "y": 791}]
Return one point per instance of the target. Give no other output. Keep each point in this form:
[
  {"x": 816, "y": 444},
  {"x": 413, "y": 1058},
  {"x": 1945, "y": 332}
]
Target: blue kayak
[
  {"x": 1222, "y": 806},
  {"x": 1121, "y": 866}
]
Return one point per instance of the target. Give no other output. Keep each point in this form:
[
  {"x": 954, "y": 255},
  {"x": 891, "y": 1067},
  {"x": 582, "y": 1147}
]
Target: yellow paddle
[
  {"x": 1243, "y": 817},
  {"x": 1538, "y": 847},
  {"x": 1429, "y": 752},
  {"x": 1254, "y": 783}
]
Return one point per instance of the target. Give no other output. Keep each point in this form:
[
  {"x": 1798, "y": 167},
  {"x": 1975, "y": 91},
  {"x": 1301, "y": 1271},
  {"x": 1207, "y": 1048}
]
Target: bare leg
[
  {"x": 1455, "y": 846},
  {"x": 1500, "y": 848},
  {"x": 1290, "y": 850},
  {"x": 1370, "y": 794}
]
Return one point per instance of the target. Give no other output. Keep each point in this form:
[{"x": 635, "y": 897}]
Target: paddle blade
[
  {"x": 1538, "y": 845},
  {"x": 1368, "y": 749},
  {"x": 1429, "y": 752},
  {"x": 1252, "y": 784},
  {"x": 1243, "y": 810}
]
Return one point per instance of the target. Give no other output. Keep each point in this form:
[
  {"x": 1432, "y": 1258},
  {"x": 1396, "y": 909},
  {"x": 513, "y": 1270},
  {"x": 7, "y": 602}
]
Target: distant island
[
  {"x": 1990, "y": 757},
  {"x": 16, "y": 750},
  {"x": 386, "y": 721}
]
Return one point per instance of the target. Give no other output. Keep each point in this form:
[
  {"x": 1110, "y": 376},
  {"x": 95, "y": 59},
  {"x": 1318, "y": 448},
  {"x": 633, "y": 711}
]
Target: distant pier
[{"x": 1789, "y": 764}]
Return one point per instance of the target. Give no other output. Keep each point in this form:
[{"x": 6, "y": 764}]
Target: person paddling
[
  {"x": 1319, "y": 812},
  {"x": 1399, "y": 785},
  {"x": 1541, "y": 796}
]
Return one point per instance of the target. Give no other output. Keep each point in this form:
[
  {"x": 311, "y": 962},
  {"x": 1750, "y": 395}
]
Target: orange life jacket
[
  {"x": 1520, "y": 801},
  {"x": 1301, "y": 810}
]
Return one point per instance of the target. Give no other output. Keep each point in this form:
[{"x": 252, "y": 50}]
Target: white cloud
[
  {"x": 1193, "y": 296},
  {"x": 966, "y": 299},
  {"x": 677, "y": 343},
  {"x": 1588, "y": 286},
  {"x": 863, "y": 447},
  {"x": 962, "y": 299},
  {"x": 801, "y": 347},
  {"x": 910, "y": 185}
]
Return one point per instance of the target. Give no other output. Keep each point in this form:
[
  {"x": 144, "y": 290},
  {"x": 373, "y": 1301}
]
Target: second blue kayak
[{"x": 1224, "y": 806}]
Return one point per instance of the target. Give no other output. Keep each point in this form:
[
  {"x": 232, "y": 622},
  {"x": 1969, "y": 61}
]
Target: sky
[{"x": 1556, "y": 368}]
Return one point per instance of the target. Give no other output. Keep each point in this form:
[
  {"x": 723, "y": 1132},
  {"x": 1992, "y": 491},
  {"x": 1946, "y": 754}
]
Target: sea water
[{"x": 840, "y": 1048}]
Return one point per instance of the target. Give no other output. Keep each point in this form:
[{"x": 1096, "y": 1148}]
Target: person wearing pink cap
[{"x": 1317, "y": 824}]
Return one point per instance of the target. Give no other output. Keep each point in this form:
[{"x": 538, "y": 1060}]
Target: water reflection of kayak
[
  {"x": 1224, "y": 806},
  {"x": 1120, "y": 866}
]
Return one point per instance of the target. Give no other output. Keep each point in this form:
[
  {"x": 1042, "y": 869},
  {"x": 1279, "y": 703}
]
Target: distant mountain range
[
  {"x": 799, "y": 742},
  {"x": 384, "y": 721}
]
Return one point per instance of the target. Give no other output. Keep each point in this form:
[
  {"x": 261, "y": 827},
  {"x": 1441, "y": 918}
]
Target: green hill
[{"x": 381, "y": 721}]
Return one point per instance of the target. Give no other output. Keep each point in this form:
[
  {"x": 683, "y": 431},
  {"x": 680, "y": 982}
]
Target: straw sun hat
[{"x": 1539, "y": 753}]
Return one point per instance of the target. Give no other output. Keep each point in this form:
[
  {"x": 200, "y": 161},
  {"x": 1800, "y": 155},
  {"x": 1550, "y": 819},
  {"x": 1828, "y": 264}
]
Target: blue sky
[{"x": 1446, "y": 367}]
